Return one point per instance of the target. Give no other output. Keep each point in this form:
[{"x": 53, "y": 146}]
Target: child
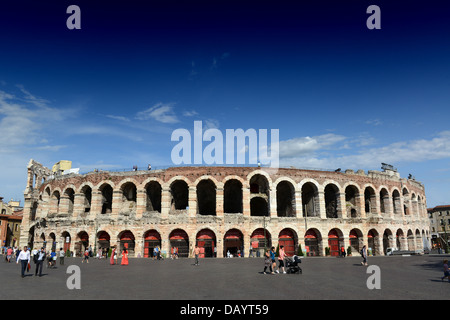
[
  {"x": 446, "y": 271},
  {"x": 267, "y": 262}
]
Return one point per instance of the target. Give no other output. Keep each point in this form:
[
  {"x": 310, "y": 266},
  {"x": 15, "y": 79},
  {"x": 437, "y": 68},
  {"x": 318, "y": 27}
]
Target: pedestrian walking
[
  {"x": 24, "y": 258},
  {"x": 86, "y": 256},
  {"x": 446, "y": 271},
  {"x": 342, "y": 252},
  {"x": 39, "y": 259},
  {"x": 364, "y": 255},
  {"x": 281, "y": 257},
  {"x": 61, "y": 256},
  {"x": 196, "y": 254},
  {"x": 272, "y": 257},
  {"x": 124, "y": 257},
  {"x": 113, "y": 257},
  {"x": 9, "y": 254},
  {"x": 267, "y": 262}
]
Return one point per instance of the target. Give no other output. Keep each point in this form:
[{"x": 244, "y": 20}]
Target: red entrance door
[
  {"x": 333, "y": 243},
  {"x": 206, "y": 241},
  {"x": 152, "y": 239},
  {"x": 287, "y": 240}
]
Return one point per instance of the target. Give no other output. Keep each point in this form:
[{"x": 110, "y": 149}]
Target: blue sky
[{"x": 110, "y": 95}]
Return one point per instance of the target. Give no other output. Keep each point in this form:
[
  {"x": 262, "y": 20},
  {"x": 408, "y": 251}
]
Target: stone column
[
  {"x": 141, "y": 197},
  {"x": 116, "y": 203},
  {"x": 64, "y": 204},
  {"x": 192, "y": 203},
  {"x": 96, "y": 204},
  {"x": 25, "y": 225},
  {"x": 298, "y": 204},
  {"x": 246, "y": 201},
  {"x": 341, "y": 205},
  {"x": 322, "y": 209},
  {"x": 272, "y": 203},
  {"x": 78, "y": 205},
  {"x": 219, "y": 202},
  {"x": 165, "y": 202}
]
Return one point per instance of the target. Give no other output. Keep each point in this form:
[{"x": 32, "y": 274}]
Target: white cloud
[
  {"x": 39, "y": 102},
  {"x": 192, "y": 113},
  {"x": 306, "y": 145},
  {"x": 161, "y": 112},
  {"x": 120, "y": 118},
  {"x": 306, "y": 152}
]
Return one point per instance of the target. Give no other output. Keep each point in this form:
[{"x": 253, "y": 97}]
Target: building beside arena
[{"x": 224, "y": 209}]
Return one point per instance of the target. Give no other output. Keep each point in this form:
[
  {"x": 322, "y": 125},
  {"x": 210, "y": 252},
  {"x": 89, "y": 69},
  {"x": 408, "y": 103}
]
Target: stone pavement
[{"x": 414, "y": 277}]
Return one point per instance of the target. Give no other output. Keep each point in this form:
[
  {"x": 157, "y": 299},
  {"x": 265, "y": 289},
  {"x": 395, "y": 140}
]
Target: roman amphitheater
[{"x": 224, "y": 209}]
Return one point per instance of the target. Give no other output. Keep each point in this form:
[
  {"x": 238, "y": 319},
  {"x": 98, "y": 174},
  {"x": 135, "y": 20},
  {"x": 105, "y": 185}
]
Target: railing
[{"x": 145, "y": 168}]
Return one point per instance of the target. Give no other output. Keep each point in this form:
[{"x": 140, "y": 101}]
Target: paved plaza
[{"x": 413, "y": 277}]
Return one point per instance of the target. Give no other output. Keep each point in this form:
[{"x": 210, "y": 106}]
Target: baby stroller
[{"x": 292, "y": 265}]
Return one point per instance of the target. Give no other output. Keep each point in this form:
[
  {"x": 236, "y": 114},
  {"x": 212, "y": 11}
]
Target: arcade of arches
[
  {"x": 214, "y": 244},
  {"x": 224, "y": 210}
]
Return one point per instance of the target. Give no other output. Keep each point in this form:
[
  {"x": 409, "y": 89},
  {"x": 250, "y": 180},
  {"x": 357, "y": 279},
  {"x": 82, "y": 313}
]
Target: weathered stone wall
[{"x": 76, "y": 205}]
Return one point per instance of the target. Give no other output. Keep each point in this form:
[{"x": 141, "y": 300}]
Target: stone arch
[
  {"x": 254, "y": 173},
  {"x": 260, "y": 187},
  {"x": 332, "y": 200},
  {"x": 152, "y": 239},
  {"x": 179, "y": 239},
  {"x": 310, "y": 198},
  {"x": 86, "y": 193},
  {"x": 313, "y": 242},
  {"x": 69, "y": 193},
  {"x": 388, "y": 240},
  {"x": 384, "y": 201},
  {"x": 373, "y": 241},
  {"x": 107, "y": 194},
  {"x": 285, "y": 190},
  {"x": 356, "y": 239},
  {"x": 179, "y": 195},
  {"x": 233, "y": 240},
  {"x": 55, "y": 201},
  {"x": 206, "y": 197},
  {"x": 128, "y": 202},
  {"x": 352, "y": 201},
  {"x": 153, "y": 192},
  {"x": 396, "y": 201},
  {"x": 289, "y": 239},
  {"x": 370, "y": 206},
  {"x": 206, "y": 240},
  {"x": 233, "y": 197},
  {"x": 127, "y": 241}
]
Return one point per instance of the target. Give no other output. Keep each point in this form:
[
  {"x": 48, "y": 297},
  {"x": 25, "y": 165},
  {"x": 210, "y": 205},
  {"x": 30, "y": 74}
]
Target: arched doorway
[
  {"x": 66, "y": 240},
  {"x": 103, "y": 241},
  {"x": 312, "y": 243},
  {"x": 372, "y": 241},
  {"x": 388, "y": 240},
  {"x": 233, "y": 241},
  {"x": 127, "y": 241},
  {"x": 400, "y": 240},
  {"x": 152, "y": 239},
  {"x": 356, "y": 241},
  {"x": 259, "y": 241},
  {"x": 179, "y": 239},
  {"x": 333, "y": 242},
  {"x": 206, "y": 241},
  {"x": 287, "y": 239},
  {"x": 82, "y": 243}
]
